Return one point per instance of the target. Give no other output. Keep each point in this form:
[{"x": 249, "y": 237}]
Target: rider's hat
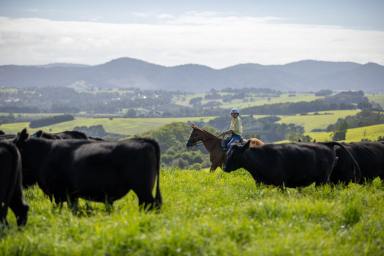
[{"x": 235, "y": 111}]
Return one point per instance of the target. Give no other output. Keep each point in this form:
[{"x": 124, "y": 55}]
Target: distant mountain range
[{"x": 306, "y": 75}]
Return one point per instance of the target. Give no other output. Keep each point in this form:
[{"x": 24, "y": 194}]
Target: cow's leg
[
  {"x": 108, "y": 204},
  {"x": 88, "y": 207},
  {"x": 19, "y": 207},
  {"x": 321, "y": 181},
  {"x": 57, "y": 202},
  {"x": 73, "y": 203},
  {"x": 3, "y": 215},
  {"x": 146, "y": 200}
]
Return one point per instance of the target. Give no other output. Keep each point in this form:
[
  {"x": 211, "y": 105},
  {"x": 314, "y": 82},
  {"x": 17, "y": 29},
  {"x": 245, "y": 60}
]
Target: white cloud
[{"x": 209, "y": 38}]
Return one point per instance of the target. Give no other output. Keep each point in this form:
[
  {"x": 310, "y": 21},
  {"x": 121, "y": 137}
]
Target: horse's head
[{"x": 196, "y": 136}]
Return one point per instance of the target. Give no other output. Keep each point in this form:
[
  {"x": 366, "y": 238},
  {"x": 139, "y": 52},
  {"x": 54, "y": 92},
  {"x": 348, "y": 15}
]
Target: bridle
[{"x": 198, "y": 140}]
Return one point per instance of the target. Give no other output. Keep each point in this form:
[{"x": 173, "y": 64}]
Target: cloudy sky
[{"x": 213, "y": 33}]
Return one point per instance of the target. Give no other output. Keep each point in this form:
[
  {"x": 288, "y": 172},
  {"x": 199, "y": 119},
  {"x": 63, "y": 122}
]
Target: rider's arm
[{"x": 226, "y": 132}]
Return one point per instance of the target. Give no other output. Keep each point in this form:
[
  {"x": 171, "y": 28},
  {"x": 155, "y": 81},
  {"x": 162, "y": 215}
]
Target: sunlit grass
[
  {"x": 371, "y": 132},
  {"x": 378, "y": 98},
  {"x": 254, "y": 100},
  {"x": 205, "y": 213},
  {"x": 124, "y": 126},
  {"x": 320, "y": 121}
]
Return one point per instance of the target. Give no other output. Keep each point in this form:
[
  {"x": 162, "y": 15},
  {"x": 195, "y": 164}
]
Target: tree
[
  {"x": 323, "y": 93},
  {"x": 341, "y": 131},
  {"x": 131, "y": 113}
]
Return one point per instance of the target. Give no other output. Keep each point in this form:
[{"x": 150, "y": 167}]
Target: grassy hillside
[
  {"x": 211, "y": 214},
  {"x": 355, "y": 134},
  {"x": 257, "y": 101},
  {"x": 130, "y": 126},
  {"x": 320, "y": 120},
  {"x": 378, "y": 98},
  {"x": 253, "y": 101},
  {"x": 124, "y": 126}
]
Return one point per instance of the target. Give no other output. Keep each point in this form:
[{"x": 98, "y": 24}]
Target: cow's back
[
  {"x": 370, "y": 157},
  {"x": 294, "y": 164},
  {"x": 101, "y": 168}
]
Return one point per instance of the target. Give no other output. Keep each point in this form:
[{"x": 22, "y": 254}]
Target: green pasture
[
  {"x": 371, "y": 132},
  {"x": 131, "y": 126},
  {"x": 123, "y": 126},
  {"x": 378, "y": 98},
  {"x": 320, "y": 120},
  {"x": 250, "y": 101},
  {"x": 210, "y": 214},
  {"x": 258, "y": 101}
]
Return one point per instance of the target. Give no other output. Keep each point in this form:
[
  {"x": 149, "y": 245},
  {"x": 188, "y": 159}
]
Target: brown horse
[{"x": 211, "y": 142}]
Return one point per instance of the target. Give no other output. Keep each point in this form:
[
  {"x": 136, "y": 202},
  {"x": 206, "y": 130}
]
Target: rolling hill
[{"x": 306, "y": 75}]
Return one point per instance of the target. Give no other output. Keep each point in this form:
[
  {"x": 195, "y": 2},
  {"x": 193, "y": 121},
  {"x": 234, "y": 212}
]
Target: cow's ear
[
  {"x": 21, "y": 137},
  {"x": 242, "y": 148},
  {"x": 38, "y": 134},
  {"x": 237, "y": 147}
]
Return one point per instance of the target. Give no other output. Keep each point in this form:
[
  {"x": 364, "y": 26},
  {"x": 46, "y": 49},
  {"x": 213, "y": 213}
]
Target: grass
[
  {"x": 132, "y": 126},
  {"x": 371, "y": 132},
  {"x": 258, "y": 101},
  {"x": 253, "y": 100},
  {"x": 211, "y": 214},
  {"x": 378, "y": 98},
  {"x": 124, "y": 126},
  {"x": 320, "y": 121}
]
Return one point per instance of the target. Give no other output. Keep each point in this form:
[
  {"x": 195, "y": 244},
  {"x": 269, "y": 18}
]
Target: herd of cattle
[
  {"x": 300, "y": 164},
  {"x": 69, "y": 165}
]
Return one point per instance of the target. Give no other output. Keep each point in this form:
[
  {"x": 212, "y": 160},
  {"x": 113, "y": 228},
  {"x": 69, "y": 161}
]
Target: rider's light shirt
[{"x": 236, "y": 126}]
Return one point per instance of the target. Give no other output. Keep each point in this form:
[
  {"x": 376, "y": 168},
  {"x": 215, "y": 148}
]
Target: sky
[{"x": 213, "y": 33}]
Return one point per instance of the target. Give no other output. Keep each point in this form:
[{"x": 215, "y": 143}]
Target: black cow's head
[
  {"x": 45, "y": 135},
  {"x": 29, "y": 154},
  {"x": 21, "y": 138},
  {"x": 234, "y": 158}
]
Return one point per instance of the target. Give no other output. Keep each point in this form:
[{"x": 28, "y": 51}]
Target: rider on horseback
[{"x": 235, "y": 130}]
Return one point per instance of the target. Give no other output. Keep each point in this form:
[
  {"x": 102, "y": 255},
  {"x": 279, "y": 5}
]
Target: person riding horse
[{"x": 235, "y": 130}]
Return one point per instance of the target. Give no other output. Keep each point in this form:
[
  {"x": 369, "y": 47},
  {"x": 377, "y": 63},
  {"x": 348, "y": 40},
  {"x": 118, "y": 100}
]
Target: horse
[{"x": 212, "y": 143}]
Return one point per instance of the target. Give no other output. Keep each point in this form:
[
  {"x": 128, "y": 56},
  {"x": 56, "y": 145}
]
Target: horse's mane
[{"x": 205, "y": 132}]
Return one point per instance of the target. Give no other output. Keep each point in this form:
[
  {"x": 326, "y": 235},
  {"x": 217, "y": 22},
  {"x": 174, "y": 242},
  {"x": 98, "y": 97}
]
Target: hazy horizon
[{"x": 188, "y": 63}]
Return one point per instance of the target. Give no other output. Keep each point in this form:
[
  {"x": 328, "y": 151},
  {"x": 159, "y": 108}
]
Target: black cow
[
  {"x": 290, "y": 165},
  {"x": 4, "y": 136},
  {"x": 29, "y": 178},
  {"x": 11, "y": 194},
  {"x": 369, "y": 156},
  {"x": 65, "y": 135},
  {"x": 7, "y": 137},
  {"x": 98, "y": 171}
]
